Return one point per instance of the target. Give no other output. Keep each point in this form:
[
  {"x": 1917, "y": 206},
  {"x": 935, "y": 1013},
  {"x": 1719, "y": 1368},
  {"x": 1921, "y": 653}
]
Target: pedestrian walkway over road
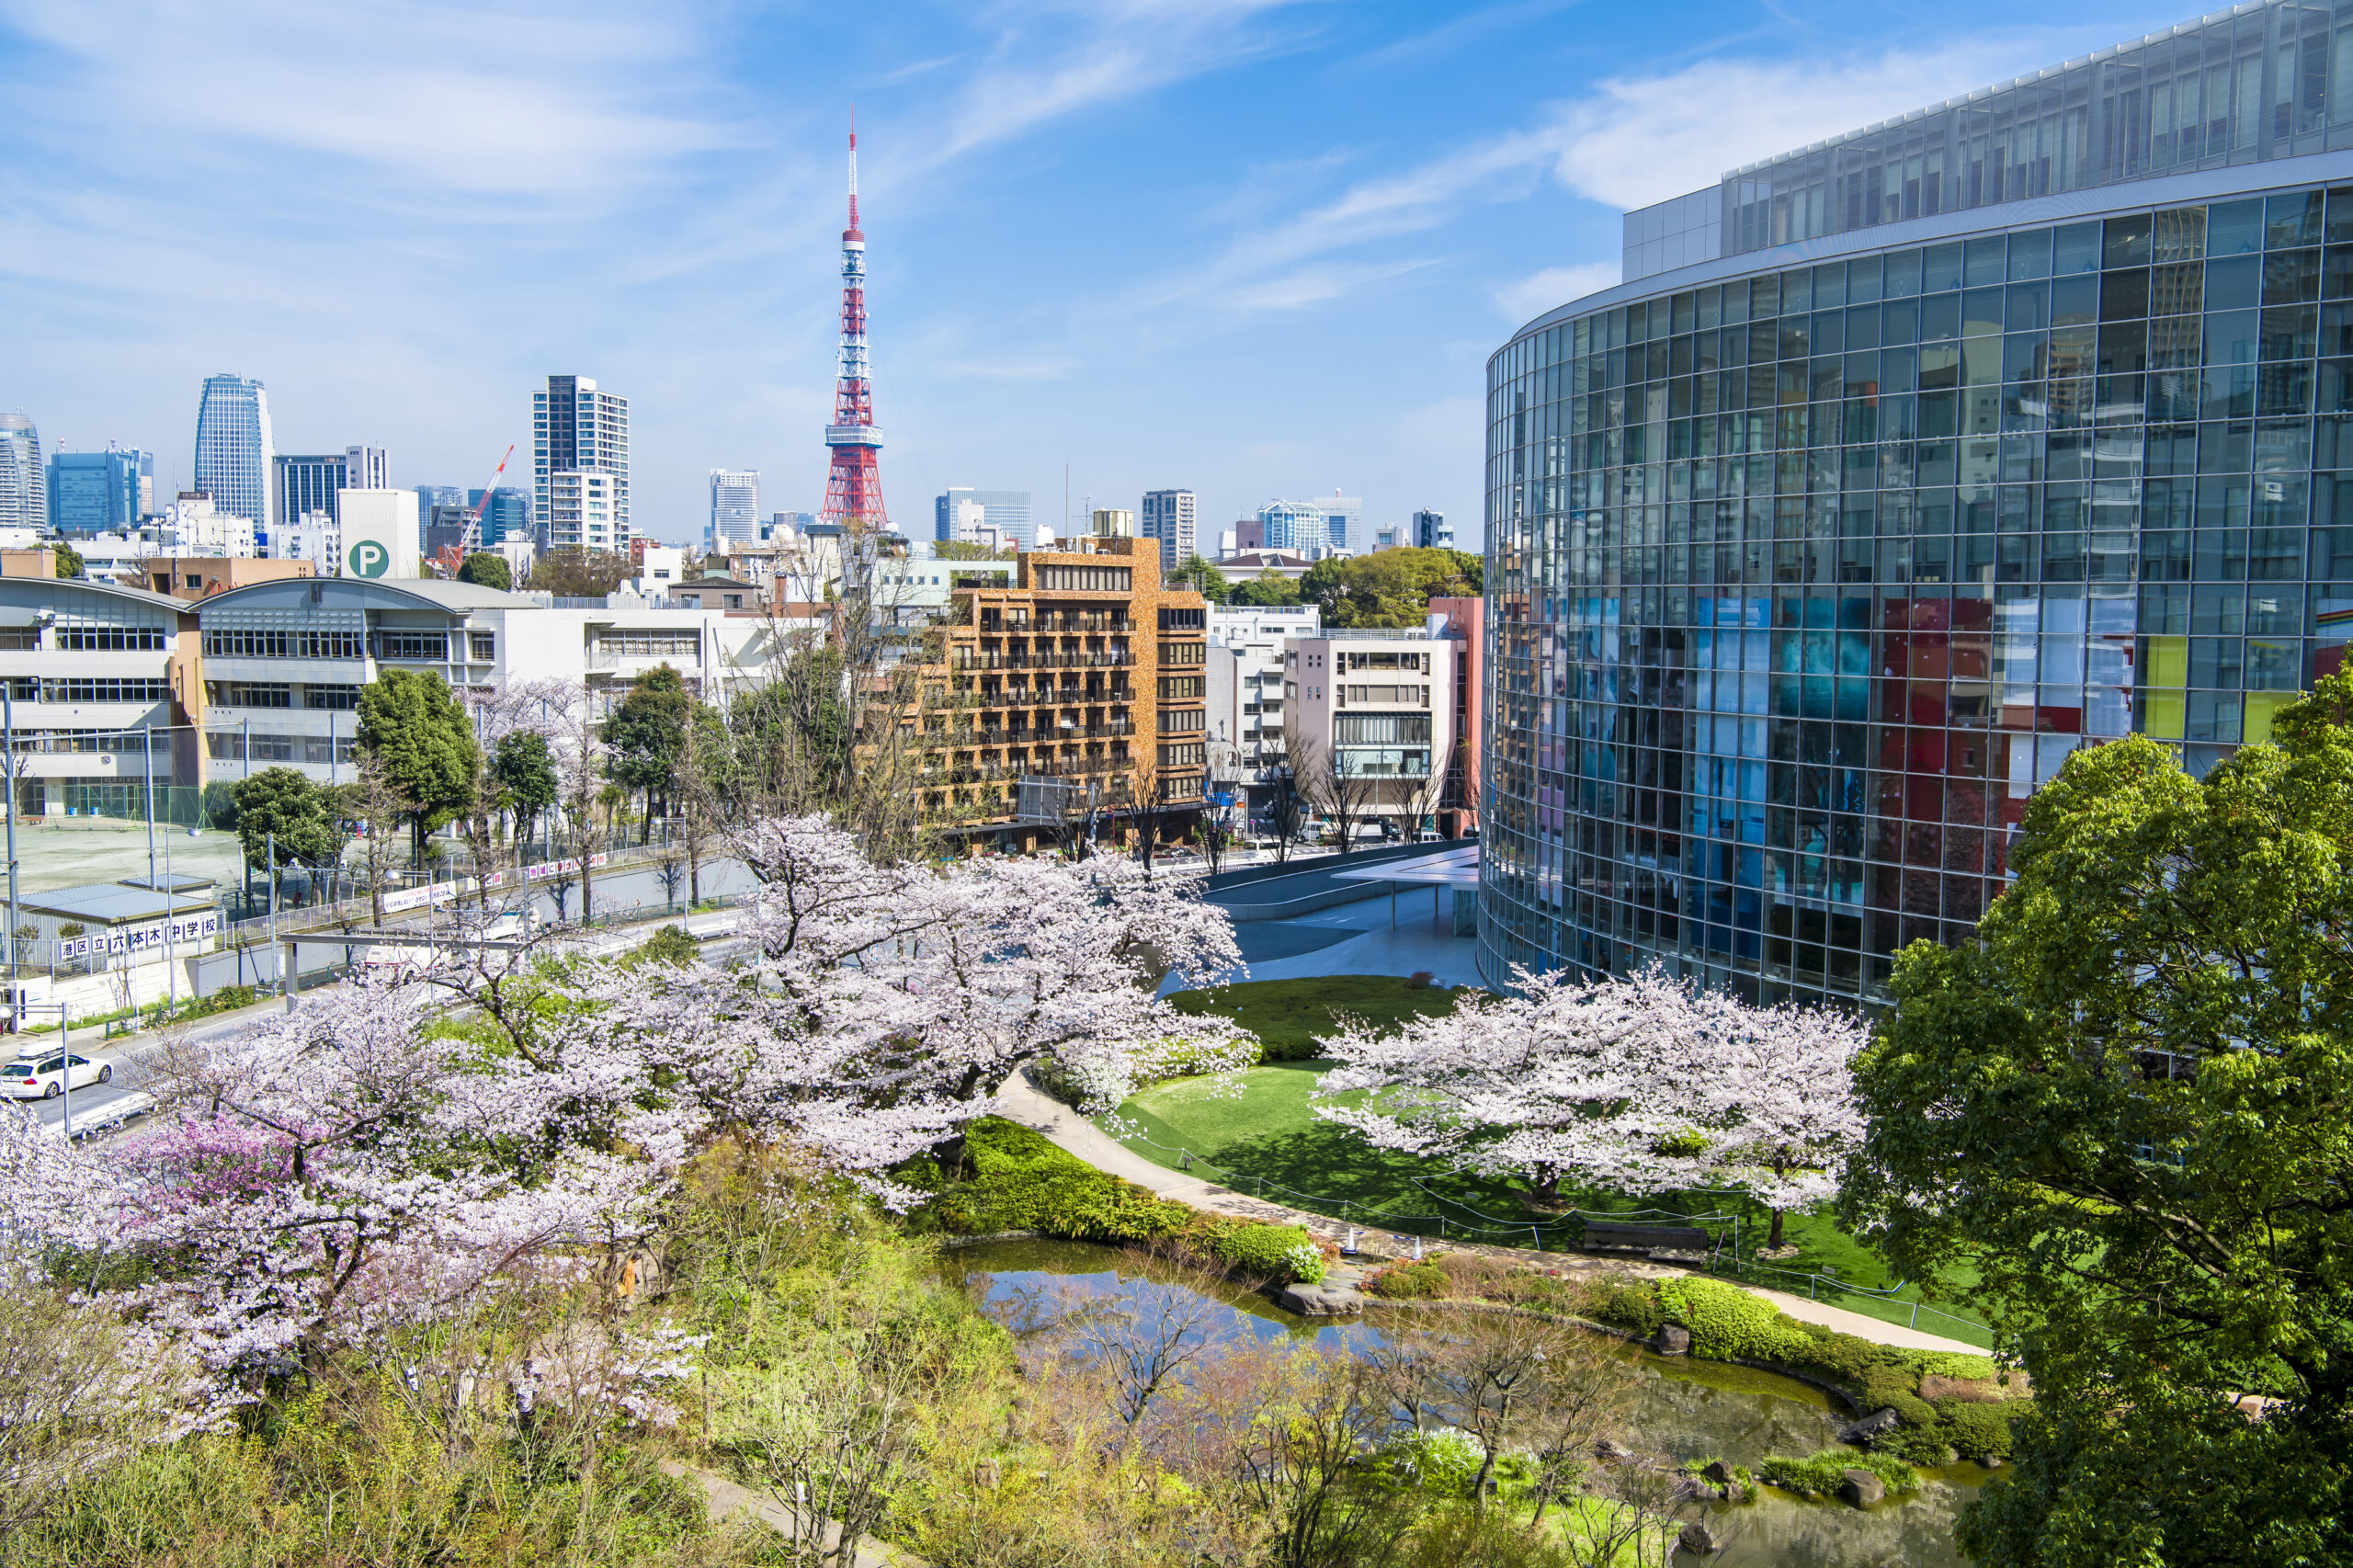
[{"x": 1022, "y": 1101}]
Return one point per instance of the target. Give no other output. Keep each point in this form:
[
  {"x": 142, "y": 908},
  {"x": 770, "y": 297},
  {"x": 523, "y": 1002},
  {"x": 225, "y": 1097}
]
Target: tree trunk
[{"x": 1776, "y": 1238}]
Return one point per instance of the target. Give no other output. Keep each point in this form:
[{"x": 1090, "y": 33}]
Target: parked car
[{"x": 43, "y": 1077}]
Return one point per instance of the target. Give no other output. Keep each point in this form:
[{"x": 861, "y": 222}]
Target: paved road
[{"x": 135, "y": 1058}]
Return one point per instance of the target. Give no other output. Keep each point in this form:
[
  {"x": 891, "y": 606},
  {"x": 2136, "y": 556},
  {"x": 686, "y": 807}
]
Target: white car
[{"x": 43, "y": 1077}]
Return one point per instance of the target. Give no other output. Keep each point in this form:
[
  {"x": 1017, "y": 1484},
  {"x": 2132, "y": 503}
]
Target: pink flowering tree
[
  {"x": 325, "y": 1178},
  {"x": 885, "y": 1004},
  {"x": 1772, "y": 1112},
  {"x": 1561, "y": 1078},
  {"x": 1640, "y": 1084}
]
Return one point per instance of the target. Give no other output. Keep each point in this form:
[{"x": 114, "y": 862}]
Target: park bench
[{"x": 1602, "y": 1235}]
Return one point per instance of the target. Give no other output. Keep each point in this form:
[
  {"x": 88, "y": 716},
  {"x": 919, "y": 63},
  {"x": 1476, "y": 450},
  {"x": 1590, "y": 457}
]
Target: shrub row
[
  {"x": 1019, "y": 1181},
  {"x": 1730, "y": 1323}
]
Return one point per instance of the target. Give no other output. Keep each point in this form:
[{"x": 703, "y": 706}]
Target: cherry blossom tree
[
  {"x": 1774, "y": 1109},
  {"x": 887, "y": 1002},
  {"x": 326, "y": 1178},
  {"x": 1640, "y": 1084},
  {"x": 1556, "y": 1079}
]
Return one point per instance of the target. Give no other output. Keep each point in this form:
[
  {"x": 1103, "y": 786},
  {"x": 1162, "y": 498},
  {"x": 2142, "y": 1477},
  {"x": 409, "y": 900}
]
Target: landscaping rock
[
  {"x": 1321, "y": 1300},
  {"x": 1673, "y": 1339},
  {"x": 1735, "y": 1492},
  {"x": 1991, "y": 1461},
  {"x": 1699, "y": 1539},
  {"x": 1870, "y": 1426},
  {"x": 1612, "y": 1453},
  {"x": 1719, "y": 1472},
  {"x": 1862, "y": 1488}
]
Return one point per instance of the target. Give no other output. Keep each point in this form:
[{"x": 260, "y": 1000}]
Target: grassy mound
[{"x": 1287, "y": 1015}]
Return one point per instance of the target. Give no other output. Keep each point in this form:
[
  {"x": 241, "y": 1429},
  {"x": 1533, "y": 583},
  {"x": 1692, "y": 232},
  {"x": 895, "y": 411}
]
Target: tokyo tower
[{"x": 854, "y": 483}]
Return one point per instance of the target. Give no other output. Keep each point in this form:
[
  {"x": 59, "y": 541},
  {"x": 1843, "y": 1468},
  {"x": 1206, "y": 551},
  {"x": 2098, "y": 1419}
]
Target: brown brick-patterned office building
[{"x": 1082, "y": 679}]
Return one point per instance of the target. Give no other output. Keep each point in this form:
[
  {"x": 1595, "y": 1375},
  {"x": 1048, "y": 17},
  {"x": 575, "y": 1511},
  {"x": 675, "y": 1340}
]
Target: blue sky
[{"x": 1258, "y": 249}]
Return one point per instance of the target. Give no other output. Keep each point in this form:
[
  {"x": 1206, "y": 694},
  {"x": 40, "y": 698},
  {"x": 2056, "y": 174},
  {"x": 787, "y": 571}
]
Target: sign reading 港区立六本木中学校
[{"x": 139, "y": 938}]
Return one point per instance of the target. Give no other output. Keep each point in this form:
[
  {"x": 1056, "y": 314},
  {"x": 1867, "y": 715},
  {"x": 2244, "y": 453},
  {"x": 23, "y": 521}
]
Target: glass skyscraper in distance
[
  {"x": 1006, "y": 511},
  {"x": 24, "y": 492},
  {"x": 234, "y": 449},
  {"x": 1897, "y": 470},
  {"x": 735, "y": 507},
  {"x": 91, "y": 492}
]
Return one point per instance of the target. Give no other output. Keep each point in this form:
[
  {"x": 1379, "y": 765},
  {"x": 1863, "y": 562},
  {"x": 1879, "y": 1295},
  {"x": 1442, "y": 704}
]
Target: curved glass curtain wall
[{"x": 1799, "y": 585}]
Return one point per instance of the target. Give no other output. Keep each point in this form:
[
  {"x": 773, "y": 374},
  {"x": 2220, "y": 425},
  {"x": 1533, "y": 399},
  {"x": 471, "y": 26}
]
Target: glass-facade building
[
  {"x": 1810, "y": 560},
  {"x": 235, "y": 450},
  {"x": 91, "y": 492}
]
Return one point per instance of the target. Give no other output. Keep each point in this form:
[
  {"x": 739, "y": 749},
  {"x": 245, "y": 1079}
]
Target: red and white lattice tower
[{"x": 854, "y": 483}]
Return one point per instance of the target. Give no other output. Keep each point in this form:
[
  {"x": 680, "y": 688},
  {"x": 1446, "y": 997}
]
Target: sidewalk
[{"x": 1020, "y": 1100}]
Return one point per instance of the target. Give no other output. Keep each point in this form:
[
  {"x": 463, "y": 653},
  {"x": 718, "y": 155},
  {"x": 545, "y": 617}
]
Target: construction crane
[{"x": 473, "y": 517}]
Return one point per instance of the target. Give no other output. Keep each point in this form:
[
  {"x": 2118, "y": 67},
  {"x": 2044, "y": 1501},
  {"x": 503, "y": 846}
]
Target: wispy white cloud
[
  {"x": 1629, "y": 142},
  {"x": 537, "y": 98},
  {"x": 1474, "y": 27},
  {"x": 1539, "y": 292},
  {"x": 1052, "y": 60},
  {"x": 1635, "y": 140}
]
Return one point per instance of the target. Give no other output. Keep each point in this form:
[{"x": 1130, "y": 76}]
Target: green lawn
[
  {"x": 1288, "y": 1015},
  {"x": 1267, "y": 1139}
]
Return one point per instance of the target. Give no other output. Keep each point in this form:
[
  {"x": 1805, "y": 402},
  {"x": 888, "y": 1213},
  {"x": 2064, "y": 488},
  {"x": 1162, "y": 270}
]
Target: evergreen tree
[
  {"x": 417, "y": 731},
  {"x": 2118, "y": 1119},
  {"x": 486, "y": 570},
  {"x": 647, "y": 734}
]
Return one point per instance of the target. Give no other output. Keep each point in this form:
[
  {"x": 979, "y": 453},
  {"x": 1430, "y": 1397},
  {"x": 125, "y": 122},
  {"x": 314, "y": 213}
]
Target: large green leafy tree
[
  {"x": 1389, "y": 587},
  {"x": 524, "y": 770},
  {"x": 1269, "y": 589},
  {"x": 2127, "y": 1110},
  {"x": 647, "y": 734},
  {"x": 486, "y": 570},
  {"x": 283, "y": 817},
  {"x": 417, "y": 731},
  {"x": 1199, "y": 574}
]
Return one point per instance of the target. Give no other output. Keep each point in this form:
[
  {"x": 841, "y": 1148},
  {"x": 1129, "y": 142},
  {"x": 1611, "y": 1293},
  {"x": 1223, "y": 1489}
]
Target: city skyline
[{"x": 1380, "y": 235}]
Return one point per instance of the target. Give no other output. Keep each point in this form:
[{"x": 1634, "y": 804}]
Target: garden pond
[{"x": 1686, "y": 1408}]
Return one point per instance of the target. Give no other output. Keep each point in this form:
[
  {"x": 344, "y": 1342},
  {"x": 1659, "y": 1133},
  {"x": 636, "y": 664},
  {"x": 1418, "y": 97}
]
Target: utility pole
[
  {"x": 8, "y": 718},
  {"x": 270, "y": 855},
  {"x": 147, "y": 734}
]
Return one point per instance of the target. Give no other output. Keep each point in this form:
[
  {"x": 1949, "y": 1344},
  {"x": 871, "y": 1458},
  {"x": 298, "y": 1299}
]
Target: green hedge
[
  {"x": 1020, "y": 1181},
  {"x": 1730, "y": 1323}
]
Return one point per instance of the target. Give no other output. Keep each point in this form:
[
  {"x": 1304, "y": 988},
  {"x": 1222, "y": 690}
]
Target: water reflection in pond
[{"x": 1689, "y": 1409}]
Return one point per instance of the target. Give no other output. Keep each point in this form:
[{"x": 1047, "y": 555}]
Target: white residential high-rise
[
  {"x": 234, "y": 449},
  {"x": 586, "y": 509},
  {"x": 1167, "y": 516},
  {"x": 367, "y": 468},
  {"x": 735, "y": 507},
  {"x": 1430, "y": 531},
  {"x": 23, "y": 484},
  {"x": 577, "y": 429},
  {"x": 1007, "y": 511}
]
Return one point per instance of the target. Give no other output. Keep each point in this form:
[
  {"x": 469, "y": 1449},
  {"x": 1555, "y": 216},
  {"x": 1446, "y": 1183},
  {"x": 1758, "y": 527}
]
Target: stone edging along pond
[
  {"x": 951, "y": 1244},
  {"x": 1811, "y": 1379}
]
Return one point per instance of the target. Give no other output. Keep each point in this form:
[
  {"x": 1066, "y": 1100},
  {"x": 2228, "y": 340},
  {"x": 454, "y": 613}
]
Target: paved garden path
[{"x": 1022, "y": 1101}]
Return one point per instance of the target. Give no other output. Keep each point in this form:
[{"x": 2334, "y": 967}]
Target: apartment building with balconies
[
  {"x": 1372, "y": 712},
  {"x": 1081, "y": 682},
  {"x": 1247, "y": 712}
]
